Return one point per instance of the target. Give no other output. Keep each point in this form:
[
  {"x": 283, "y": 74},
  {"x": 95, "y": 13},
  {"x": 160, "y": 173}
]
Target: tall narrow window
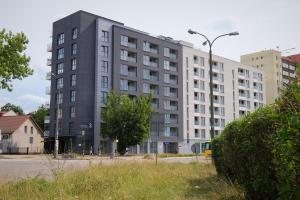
[
  {"x": 60, "y": 38},
  {"x": 60, "y": 68},
  {"x": 74, "y": 33},
  {"x": 104, "y": 97},
  {"x": 59, "y": 83},
  {"x": 73, "y": 96},
  {"x": 60, "y": 53},
  {"x": 59, "y": 98},
  {"x": 73, "y": 79},
  {"x": 104, "y": 36},
  {"x": 104, "y": 81},
  {"x": 73, "y": 64},
  {"x": 74, "y": 49},
  {"x": 104, "y": 66},
  {"x": 72, "y": 112},
  {"x": 104, "y": 51}
]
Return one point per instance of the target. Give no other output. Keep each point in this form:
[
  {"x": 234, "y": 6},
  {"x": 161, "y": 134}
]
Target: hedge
[{"x": 261, "y": 150}]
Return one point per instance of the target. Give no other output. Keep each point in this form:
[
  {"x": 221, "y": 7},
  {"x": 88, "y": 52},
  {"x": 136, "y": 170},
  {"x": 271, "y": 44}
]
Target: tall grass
[{"x": 128, "y": 181}]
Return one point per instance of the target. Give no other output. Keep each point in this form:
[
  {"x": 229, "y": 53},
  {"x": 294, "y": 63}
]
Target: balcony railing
[
  {"x": 154, "y": 78},
  {"x": 153, "y": 64},
  {"x": 49, "y": 47},
  {"x": 152, "y": 50},
  {"x": 48, "y": 76},
  {"x": 131, "y": 59},
  {"x": 154, "y": 91},
  {"x": 131, "y": 45},
  {"x": 49, "y": 62},
  {"x": 173, "y": 56}
]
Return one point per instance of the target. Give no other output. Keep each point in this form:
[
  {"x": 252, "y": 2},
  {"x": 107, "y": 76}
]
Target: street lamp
[
  {"x": 212, "y": 131},
  {"x": 56, "y": 143}
]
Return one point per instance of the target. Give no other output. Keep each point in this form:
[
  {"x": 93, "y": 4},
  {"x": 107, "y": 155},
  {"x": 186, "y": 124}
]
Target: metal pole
[
  {"x": 211, "y": 95},
  {"x": 56, "y": 132},
  {"x": 157, "y": 126}
]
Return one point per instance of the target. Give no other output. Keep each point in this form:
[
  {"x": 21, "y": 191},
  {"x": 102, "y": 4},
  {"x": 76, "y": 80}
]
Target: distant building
[
  {"x": 7, "y": 113},
  {"x": 276, "y": 73},
  {"x": 238, "y": 90},
  {"x": 288, "y": 70},
  {"x": 20, "y": 134},
  {"x": 296, "y": 59}
]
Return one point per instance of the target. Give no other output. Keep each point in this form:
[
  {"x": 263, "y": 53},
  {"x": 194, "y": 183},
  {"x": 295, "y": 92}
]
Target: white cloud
[{"x": 33, "y": 98}]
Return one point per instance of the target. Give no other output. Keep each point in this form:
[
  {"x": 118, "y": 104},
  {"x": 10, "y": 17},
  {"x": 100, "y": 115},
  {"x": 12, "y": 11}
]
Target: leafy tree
[
  {"x": 39, "y": 116},
  {"x": 16, "y": 109},
  {"x": 13, "y": 61},
  {"x": 127, "y": 120}
]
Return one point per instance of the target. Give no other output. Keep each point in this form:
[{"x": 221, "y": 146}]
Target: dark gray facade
[{"x": 86, "y": 102}]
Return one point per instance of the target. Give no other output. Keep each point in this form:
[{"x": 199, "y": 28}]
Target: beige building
[
  {"x": 20, "y": 134},
  {"x": 270, "y": 62}
]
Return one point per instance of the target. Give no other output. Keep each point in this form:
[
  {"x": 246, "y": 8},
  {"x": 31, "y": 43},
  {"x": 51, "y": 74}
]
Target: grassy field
[{"x": 128, "y": 181}]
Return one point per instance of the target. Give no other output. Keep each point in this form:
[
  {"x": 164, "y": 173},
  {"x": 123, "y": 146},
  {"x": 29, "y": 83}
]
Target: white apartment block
[{"x": 238, "y": 89}]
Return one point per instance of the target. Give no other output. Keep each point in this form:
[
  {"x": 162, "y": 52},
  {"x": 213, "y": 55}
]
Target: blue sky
[{"x": 262, "y": 25}]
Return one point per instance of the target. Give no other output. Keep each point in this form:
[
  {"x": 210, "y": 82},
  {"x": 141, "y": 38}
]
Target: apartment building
[
  {"x": 238, "y": 89},
  {"x": 289, "y": 74},
  {"x": 91, "y": 56},
  {"x": 276, "y": 70}
]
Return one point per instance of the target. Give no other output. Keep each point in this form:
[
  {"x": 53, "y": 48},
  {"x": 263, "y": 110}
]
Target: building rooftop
[{"x": 12, "y": 123}]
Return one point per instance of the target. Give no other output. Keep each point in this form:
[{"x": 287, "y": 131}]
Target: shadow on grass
[{"x": 213, "y": 187}]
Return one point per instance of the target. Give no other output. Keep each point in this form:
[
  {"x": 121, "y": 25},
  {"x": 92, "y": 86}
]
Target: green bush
[{"x": 261, "y": 150}]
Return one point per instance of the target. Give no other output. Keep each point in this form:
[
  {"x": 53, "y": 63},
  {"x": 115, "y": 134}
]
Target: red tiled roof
[
  {"x": 2, "y": 113},
  {"x": 11, "y": 123},
  {"x": 295, "y": 58}
]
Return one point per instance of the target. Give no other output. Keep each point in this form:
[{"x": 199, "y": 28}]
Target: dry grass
[{"x": 128, "y": 181}]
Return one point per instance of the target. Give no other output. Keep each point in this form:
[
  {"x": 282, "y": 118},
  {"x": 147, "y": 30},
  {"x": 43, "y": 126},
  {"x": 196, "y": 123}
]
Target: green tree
[
  {"x": 13, "y": 61},
  {"x": 39, "y": 116},
  {"x": 127, "y": 120},
  {"x": 16, "y": 109}
]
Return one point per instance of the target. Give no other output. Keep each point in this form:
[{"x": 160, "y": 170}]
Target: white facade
[{"x": 238, "y": 90}]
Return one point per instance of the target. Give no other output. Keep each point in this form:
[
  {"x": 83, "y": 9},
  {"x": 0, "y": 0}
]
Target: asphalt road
[{"x": 16, "y": 167}]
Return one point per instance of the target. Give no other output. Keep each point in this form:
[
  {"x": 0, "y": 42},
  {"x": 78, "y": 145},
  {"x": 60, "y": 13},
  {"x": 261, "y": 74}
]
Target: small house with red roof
[{"x": 19, "y": 134}]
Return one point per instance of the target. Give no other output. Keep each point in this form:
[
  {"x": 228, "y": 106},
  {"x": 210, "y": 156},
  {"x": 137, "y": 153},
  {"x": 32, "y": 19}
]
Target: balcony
[
  {"x": 173, "y": 56},
  {"x": 171, "y": 121},
  {"x": 48, "y": 90},
  {"x": 48, "y": 76},
  {"x": 131, "y": 59},
  {"x": 46, "y": 119},
  {"x": 49, "y": 62},
  {"x": 153, "y": 64},
  {"x": 49, "y": 47},
  {"x": 154, "y": 77},
  {"x": 131, "y": 45}
]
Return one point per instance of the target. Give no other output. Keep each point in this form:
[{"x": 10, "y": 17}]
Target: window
[
  {"x": 25, "y": 129},
  {"x": 124, "y": 70},
  {"x": 104, "y": 36},
  {"x": 202, "y": 109},
  {"x": 201, "y": 61},
  {"x": 166, "y": 65},
  {"x": 60, "y": 68},
  {"x": 104, "y": 96},
  {"x": 104, "y": 81},
  {"x": 146, "y": 46},
  {"x": 104, "y": 51},
  {"x": 73, "y": 80},
  {"x": 123, "y": 84},
  {"x": 59, "y": 83},
  {"x": 203, "y": 134},
  {"x": 202, "y": 85},
  {"x": 146, "y": 74},
  {"x": 59, "y": 98},
  {"x": 124, "y": 55},
  {"x": 146, "y": 88},
  {"x": 202, "y": 121},
  {"x": 74, "y": 33},
  {"x": 201, "y": 73},
  {"x": 73, "y": 96},
  {"x": 72, "y": 112},
  {"x": 61, "y": 38},
  {"x": 30, "y": 140},
  {"x": 74, "y": 49},
  {"x": 196, "y": 133},
  {"x": 146, "y": 60},
  {"x": 104, "y": 66},
  {"x": 60, "y": 53},
  {"x": 73, "y": 64},
  {"x": 124, "y": 40},
  {"x": 202, "y": 97}
]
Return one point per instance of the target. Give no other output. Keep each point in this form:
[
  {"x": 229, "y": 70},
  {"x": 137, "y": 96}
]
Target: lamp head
[
  {"x": 233, "y": 33},
  {"x": 190, "y": 31},
  {"x": 204, "y": 43}
]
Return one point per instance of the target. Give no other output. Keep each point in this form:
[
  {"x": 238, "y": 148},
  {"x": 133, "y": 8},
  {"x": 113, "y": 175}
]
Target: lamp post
[
  {"x": 56, "y": 143},
  {"x": 212, "y": 131}
]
